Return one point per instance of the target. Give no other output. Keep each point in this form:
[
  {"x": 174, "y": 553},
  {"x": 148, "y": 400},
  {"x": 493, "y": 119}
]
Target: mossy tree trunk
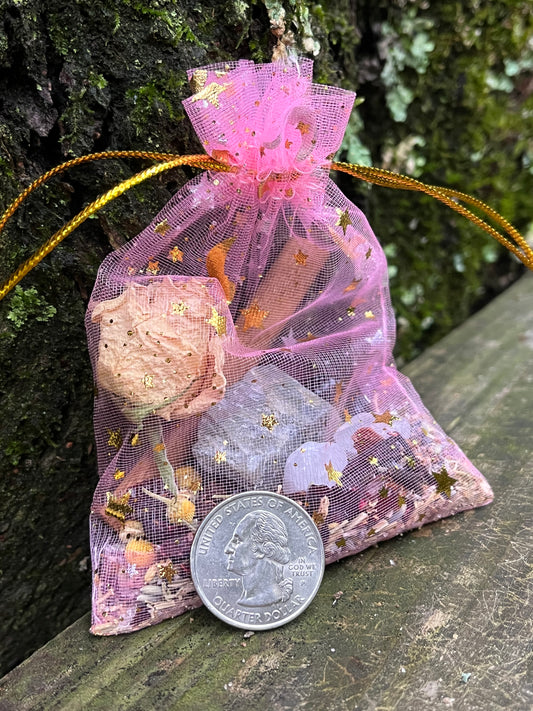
[{"x": 447, "y": 92}]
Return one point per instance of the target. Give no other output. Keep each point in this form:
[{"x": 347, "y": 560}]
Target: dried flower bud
[
  {"x": 188, "y": 478},
  {"x": 140, "y": 553},
  {"x": 131, "y": 530},
  {"x": 180, "y": 510}
]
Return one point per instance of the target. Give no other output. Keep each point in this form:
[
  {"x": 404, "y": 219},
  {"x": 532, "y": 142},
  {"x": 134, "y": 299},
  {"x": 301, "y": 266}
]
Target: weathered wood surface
[{"x": 439, "y": 618}]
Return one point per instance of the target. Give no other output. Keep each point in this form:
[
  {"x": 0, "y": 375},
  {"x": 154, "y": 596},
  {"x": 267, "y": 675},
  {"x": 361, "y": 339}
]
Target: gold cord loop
[
  {"x": 449, "y": 197},
  {"x": 166, "y": 161},
  {"x": 73, "y": 163},
  {"x": 170, "y": 161}
]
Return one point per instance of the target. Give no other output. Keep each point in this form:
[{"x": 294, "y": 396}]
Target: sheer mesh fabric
[{"x": 244, "y": 341}]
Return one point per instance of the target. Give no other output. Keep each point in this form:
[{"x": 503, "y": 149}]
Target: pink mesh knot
[{"x": 270, "y": 120}]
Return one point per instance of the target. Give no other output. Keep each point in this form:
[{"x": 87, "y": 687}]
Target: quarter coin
[{"x": 257, "y": 560}]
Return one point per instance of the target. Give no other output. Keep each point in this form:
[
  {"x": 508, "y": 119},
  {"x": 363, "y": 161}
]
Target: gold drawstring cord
[
  {"x": 166, "y": 161},
  {"x": 169, "y": 161},
  {"x": 71, "y": 164},
  {"x": 449, "y": 197}
]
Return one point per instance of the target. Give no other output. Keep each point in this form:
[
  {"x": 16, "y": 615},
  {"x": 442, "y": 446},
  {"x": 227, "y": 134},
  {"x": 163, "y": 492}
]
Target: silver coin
[{"x": 257, "y": 560}]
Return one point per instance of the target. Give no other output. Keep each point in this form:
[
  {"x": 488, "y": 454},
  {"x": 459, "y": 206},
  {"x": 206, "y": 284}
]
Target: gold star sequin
[
  {"x": 148, "y": 381},
  {"x": 374, "y": 461},
  {"x": 401, "y": 500},
  {"x": 118, "y": 507},
  {"x": 269, "y": 421},
  {"x": 369, "y": 253},
  {"x": 119, "y": 474},
  {"x": 344, "y": 219},
  {"x": 176, "y": 254},
  {"x": 350, "y": 311},
  {"x": 302, "y": 127},
  {"x": 153, "y": 267},
  {"x": 217, "y": 321},
  {"x": 347, "y": 416},
  {"x": 135, "y": 440},
  {"x": 220, "y": 456},
  {"x": 179, "y": 308},
  {"x": 444, "y": 482},
  {"x": 210, "y": 93},
  {"x": 410, "y": 461},
  {"x": 253, "y": 316},
  {"x": 300, "y": 257},
  {"x": 383, "y": 492},
  {"x": 369, "y": 314},
  {"x": 115, "y": 438},
  {"x": 162, "y": 228},
  {"x": 387, "y": 418},
  {"x": 159, "y": 447},
  {"x": 167, "y": 571},
  {"x": 333, "y": 474},
  {"x": 338, "y": 392}
]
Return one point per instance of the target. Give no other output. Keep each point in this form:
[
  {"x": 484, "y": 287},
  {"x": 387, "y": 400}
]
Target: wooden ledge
[{"x": 438, "y": 618}]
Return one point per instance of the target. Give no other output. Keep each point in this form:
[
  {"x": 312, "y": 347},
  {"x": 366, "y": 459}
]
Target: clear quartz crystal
[{"x": 261, "y": 420}]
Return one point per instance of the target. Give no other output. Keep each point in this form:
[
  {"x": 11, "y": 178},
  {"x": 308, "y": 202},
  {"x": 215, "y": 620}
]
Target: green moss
[
  {"x": 408, "y": 45},
  {"x": 97, "y": 80},
  {"x": 156, "y": 102},
  {"x": 6, "y": 169},
  {"x": 305, "y": 24},
  {"x": 433, "y": 109},
  {"x": 338, "y": 29},
  {"x": 352, "y": 147},
  {"x": 168, "y": 22},
  {"x": 26, "y": 304},
  {"x": 63, "y": 39},
  {"x": 76, "y": 117}
]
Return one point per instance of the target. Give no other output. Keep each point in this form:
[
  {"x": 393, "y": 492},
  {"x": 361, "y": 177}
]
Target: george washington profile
[{"x": 257, "y": 551}]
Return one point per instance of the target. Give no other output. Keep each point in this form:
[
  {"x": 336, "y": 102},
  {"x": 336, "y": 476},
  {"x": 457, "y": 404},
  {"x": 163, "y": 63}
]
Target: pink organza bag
[{"x": 244, "y": 341}]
